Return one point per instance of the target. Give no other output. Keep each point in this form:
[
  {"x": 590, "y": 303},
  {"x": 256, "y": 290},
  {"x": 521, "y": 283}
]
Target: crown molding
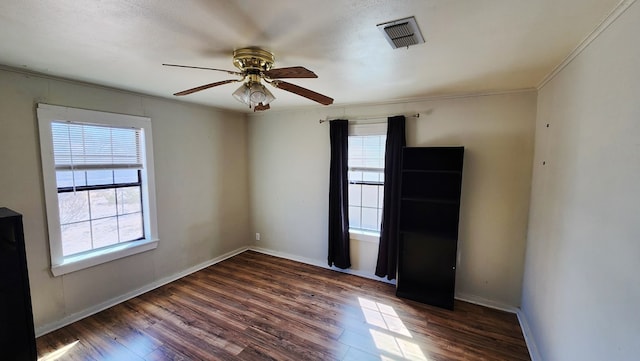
[{"x": 620, "y": 9}]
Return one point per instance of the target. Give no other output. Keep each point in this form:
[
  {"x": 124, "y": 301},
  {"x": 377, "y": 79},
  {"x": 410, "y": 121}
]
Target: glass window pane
[
  {"x": 129, "y": 200},
  {"x": 354, "y": 217},
  {"x": 370, "y": 177},
  {"x": 355, "y": 176},
  {"x": 380, "y": 196},
  {"x": 105, "y": 232},
  {"x": 66, "y": 178},
  {"x": 76, "y": 238},
  {"x": 80, "y": 177},
  {"x": 370, "y": 218},
  {"x": 130, "y": 227},
  {"x": 354, "y": 194},
  {"x": 73, "y": 207},
  {"x": 370, "y": 196},
  {"x": 103, "y": 203},
  {"x": 99, "y": 177},
  {"x": 125, "y": 176}
]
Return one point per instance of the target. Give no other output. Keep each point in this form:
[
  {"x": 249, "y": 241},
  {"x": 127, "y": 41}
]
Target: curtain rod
[{"x": 416, "y": 115}]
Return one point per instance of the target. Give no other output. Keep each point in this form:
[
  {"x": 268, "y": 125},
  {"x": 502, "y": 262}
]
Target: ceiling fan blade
[
  {"x": 199, "y": 67},
  {"x": 207, "y": 86},
  {"x": 291, "y": 72},
  {"x": 261, "y": 107},
  {"x": 309, "y": 94}
]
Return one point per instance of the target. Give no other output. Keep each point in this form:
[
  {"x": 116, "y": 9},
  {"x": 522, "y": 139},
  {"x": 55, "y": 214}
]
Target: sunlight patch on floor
[
  {"x": 383, "y": 316},
  {"x": 58, "y": 353},
  {"x": 392, "y": 338}
]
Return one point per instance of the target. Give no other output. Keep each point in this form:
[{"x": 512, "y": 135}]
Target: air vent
[{"x": 401, "y": 33}]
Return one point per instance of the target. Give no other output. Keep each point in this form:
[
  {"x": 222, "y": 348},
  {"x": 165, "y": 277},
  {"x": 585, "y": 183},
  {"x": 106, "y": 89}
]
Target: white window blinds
[{"x": 78, "y": 146}]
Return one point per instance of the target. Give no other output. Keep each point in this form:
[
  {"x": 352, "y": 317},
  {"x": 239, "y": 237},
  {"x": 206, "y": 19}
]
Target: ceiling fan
[{"x": 255, "y": 65}]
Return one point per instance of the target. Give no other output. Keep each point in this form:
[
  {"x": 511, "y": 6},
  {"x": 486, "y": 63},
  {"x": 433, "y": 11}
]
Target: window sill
[
  {"x": 364, "y": 236},
  {"x": 90, "y": 259}
]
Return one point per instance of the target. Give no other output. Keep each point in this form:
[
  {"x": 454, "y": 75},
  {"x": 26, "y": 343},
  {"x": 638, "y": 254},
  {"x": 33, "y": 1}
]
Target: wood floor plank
[
  {"x": 100, "y": 345},
  {"x": 133, "y": 338},
  {"x": 259, "y": 307},
  {"x": 166, "y": 353},
  {"x": 63, "y": 342}
]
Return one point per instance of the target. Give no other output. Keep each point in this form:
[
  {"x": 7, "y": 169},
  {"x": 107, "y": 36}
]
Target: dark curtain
[
  {"x": 388, "y": 247},
  {"x": 338, "y": 195}
]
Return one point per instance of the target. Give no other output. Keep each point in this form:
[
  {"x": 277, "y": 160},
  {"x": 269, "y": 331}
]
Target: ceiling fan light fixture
[
  {"x": 253, "y": 93},
  {"x": 242, "y": 94},
  {"x": 260, "y": 94}
]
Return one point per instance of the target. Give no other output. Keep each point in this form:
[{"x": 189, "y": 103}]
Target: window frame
[
  {"x": 364, "y": 129},
  {"x": 60, "y": 264}
]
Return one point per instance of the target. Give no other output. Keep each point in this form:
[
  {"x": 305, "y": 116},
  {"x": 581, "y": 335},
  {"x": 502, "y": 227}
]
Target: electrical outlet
[{"x": 257, "y": 236}]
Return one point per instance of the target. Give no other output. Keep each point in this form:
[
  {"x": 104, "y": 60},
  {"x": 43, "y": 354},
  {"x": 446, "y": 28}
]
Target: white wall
[
  {"x": 581, "y": 289},
  {"x": 201, "y": 184},
  {"x": 289, "y": 168}
]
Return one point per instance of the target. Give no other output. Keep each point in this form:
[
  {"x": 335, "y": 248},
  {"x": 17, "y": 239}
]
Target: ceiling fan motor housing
[{"x": 253, "y": 59}]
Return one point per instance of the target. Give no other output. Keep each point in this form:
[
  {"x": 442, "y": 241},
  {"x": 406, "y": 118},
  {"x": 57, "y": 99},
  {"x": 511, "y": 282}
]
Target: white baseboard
[
  {"x": 528, "y": 337},
  {"x": 43, "y": 330},
  {"x": 486, "y": 303},
  {"x": 319, "y": 263}
]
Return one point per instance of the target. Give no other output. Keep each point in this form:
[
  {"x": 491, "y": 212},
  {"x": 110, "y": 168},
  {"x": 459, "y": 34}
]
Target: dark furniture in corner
[
  {"x": 17, "y": 337},
  {"x": 429, "y": 213}
]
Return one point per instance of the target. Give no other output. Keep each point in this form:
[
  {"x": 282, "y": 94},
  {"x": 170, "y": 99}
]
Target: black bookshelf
[
  {"x": 17, "y": 337},
  {"x": 429, "y": 214}
]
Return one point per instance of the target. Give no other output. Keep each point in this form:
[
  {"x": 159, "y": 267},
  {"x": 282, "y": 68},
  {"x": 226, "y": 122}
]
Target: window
[
  {"x": 366, "y": 179},
  {"x": 98, "y": 177}
]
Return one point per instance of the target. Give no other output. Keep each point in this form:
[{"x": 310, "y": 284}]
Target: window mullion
[
  {"x": 115, "y": 191},
  {"x": 360, "y": 207},
  {"x": 141, "y": 201},
  {"x": 90, "y": 218}
]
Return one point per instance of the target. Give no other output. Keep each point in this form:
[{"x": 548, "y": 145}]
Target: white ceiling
[{"x": 471, "y": 45}]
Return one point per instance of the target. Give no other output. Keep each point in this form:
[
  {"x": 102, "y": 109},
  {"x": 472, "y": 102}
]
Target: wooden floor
[{"x": 258, "y": 307}]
